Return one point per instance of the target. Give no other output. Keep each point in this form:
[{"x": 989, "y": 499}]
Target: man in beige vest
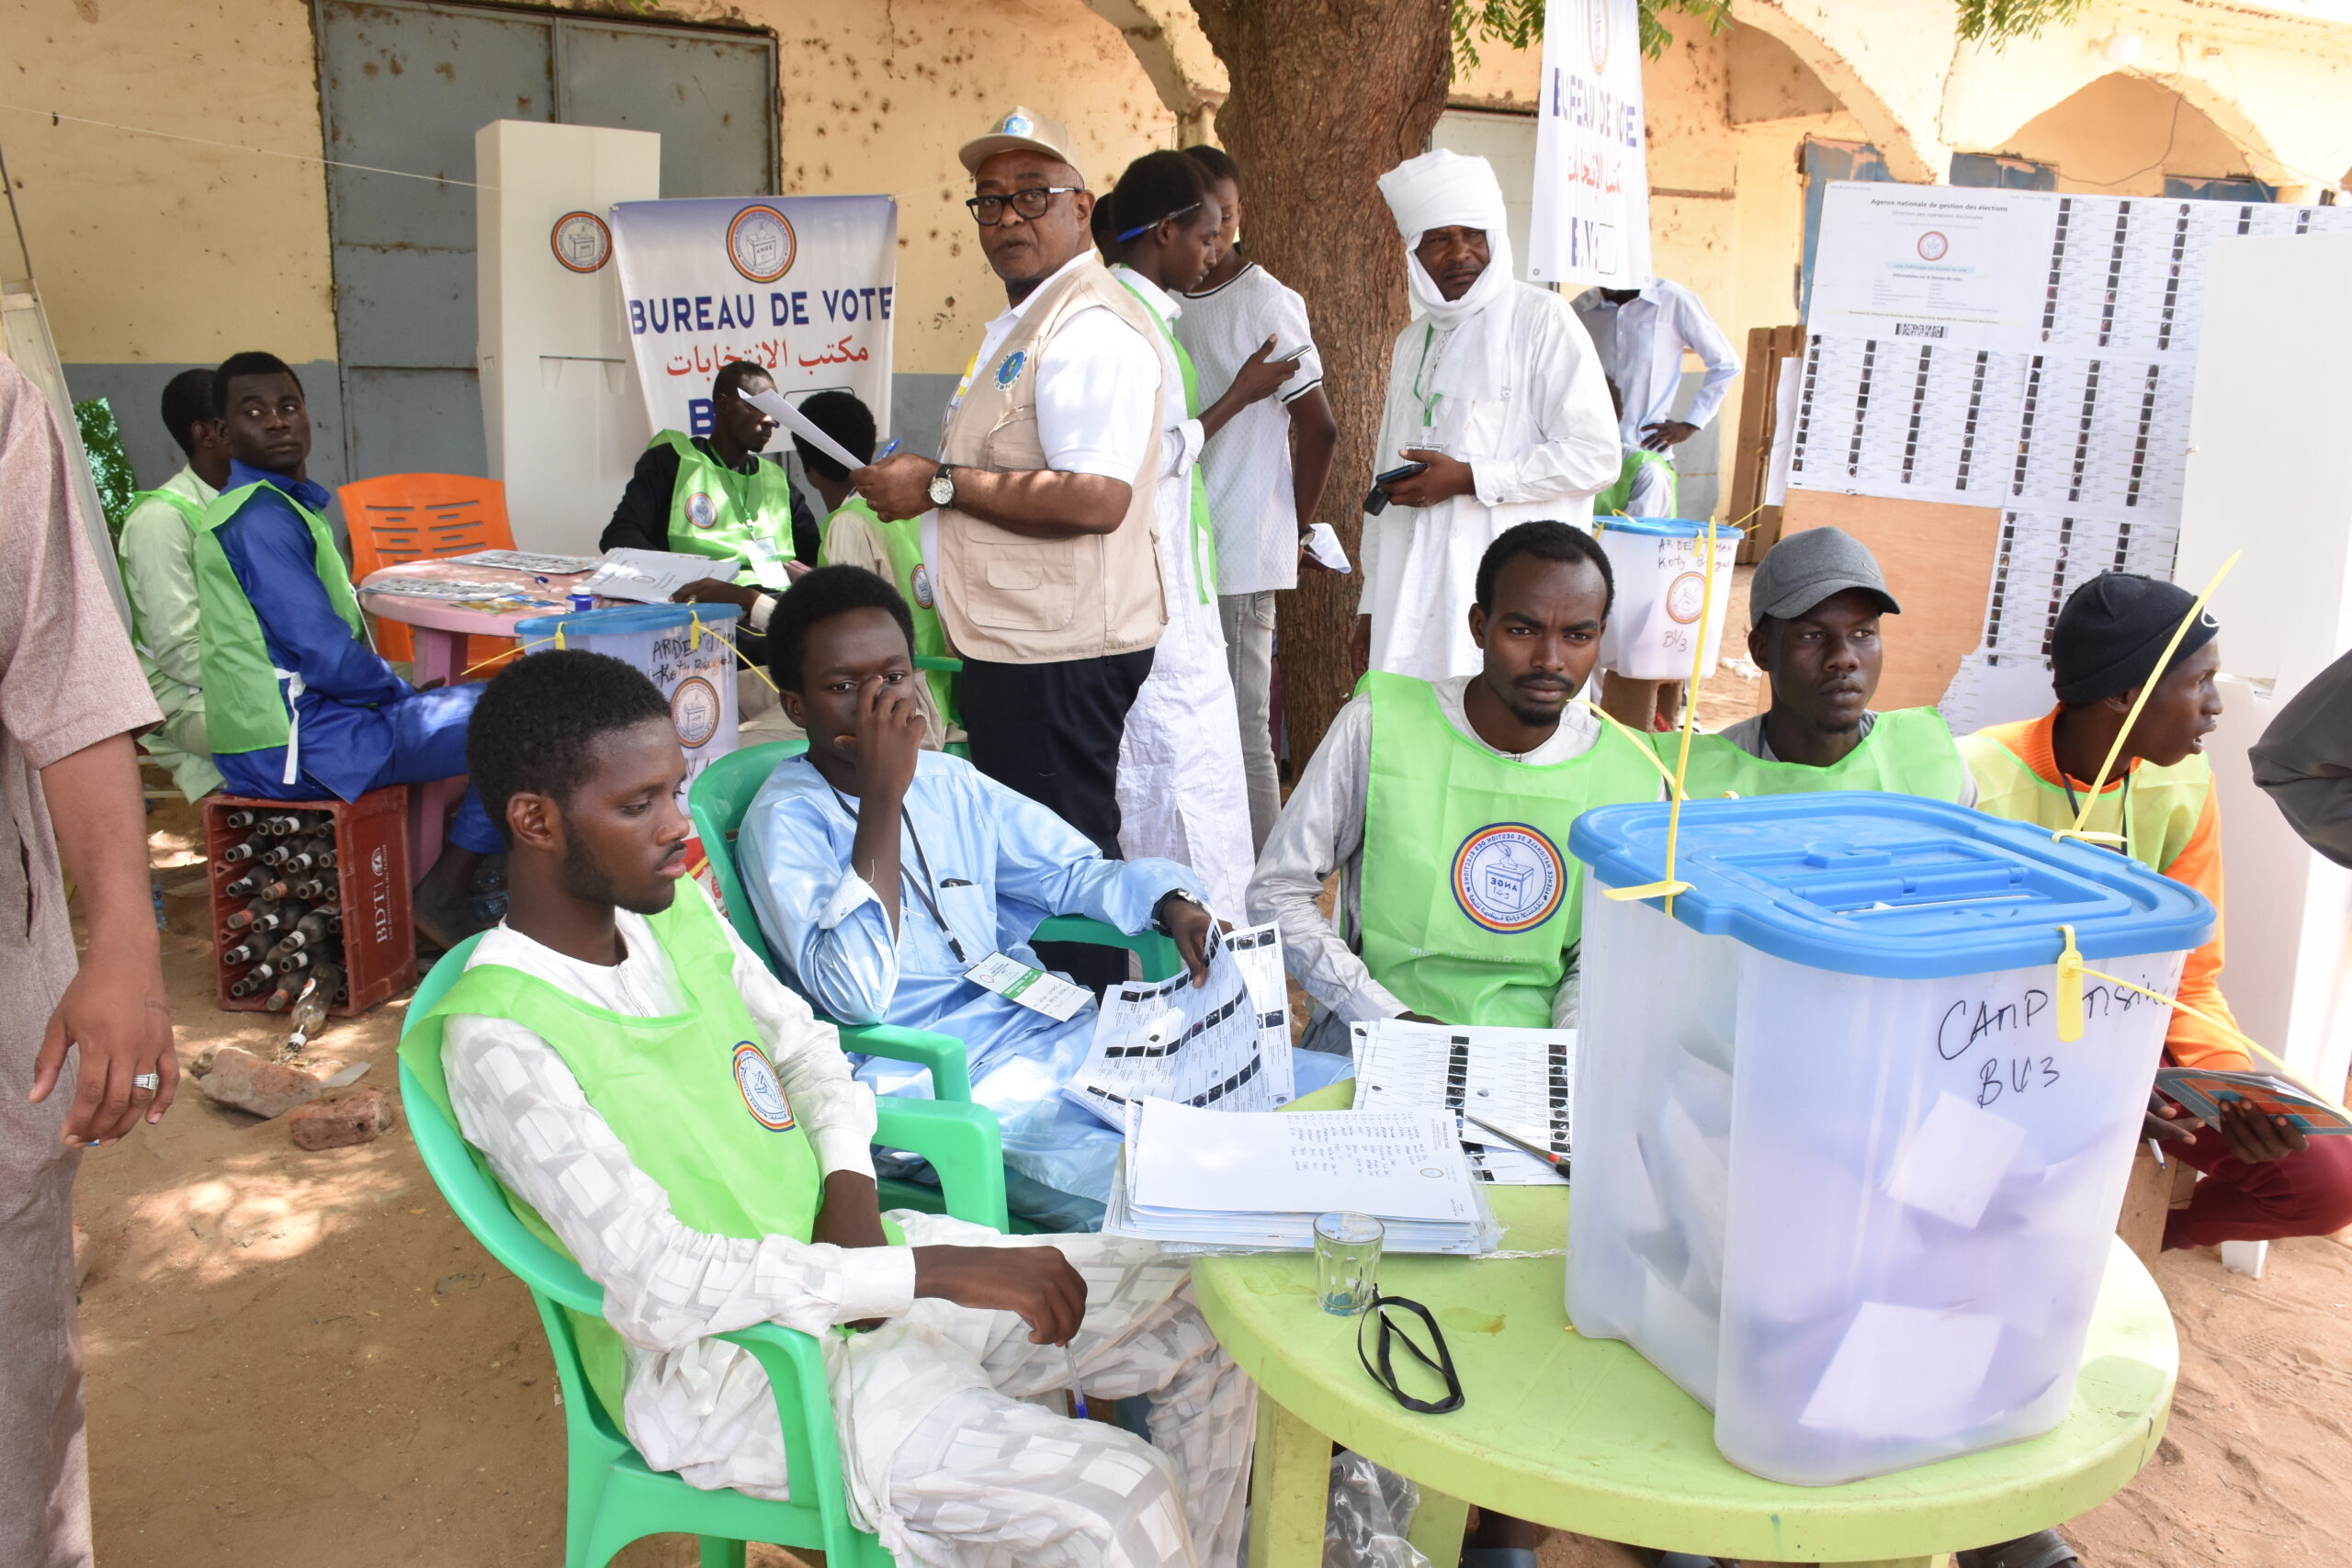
[{"x": 1046, "y": 545}]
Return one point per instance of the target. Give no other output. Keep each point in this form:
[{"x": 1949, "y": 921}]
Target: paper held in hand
[
  {"x": 1224, "y": 1046},
  {"x": 772, "y": 404},
  {"x": 1322, "y": 542},
  {"x": 1517, "y": 1080},
  {"x": 1257, "y": 1179}
]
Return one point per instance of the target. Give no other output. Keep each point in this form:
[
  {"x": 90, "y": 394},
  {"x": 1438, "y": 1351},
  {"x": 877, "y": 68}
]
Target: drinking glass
[{"x": 1347, "y": 1261}]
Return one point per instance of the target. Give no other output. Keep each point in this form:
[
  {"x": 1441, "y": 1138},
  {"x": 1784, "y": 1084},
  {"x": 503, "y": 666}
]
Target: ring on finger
[{"x": 151, "y": 1082}]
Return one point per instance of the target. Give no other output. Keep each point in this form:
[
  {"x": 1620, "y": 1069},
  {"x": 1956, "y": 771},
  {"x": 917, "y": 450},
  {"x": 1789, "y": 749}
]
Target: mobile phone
[
  {"x": 1375, "y": 501},
  {"x": 1298, "y": 353}
]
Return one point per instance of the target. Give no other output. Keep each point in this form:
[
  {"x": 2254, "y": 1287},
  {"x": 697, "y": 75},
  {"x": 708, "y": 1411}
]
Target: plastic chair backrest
[
  {"x": 404, "y": 517},
  {"x": 722, "y": 793}
]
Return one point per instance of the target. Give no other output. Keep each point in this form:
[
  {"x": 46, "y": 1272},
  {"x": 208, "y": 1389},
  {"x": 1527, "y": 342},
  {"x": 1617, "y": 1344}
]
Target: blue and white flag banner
[
  {"x": 801, "y": 286},
  {"x": 1591, "y": 221}
]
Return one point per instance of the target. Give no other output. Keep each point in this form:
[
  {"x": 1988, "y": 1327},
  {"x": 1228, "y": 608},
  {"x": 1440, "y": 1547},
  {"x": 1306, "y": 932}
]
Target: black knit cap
[{"x": 2112, "y": 631}]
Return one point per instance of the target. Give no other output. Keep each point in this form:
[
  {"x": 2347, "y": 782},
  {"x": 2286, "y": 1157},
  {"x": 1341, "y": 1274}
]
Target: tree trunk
[{"x": 1326, "y": 96}]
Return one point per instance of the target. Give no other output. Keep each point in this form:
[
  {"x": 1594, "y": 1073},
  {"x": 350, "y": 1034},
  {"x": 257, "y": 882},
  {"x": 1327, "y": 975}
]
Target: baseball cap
[
  {"x": 1807, "y": 567},
  {"x": 1024, "y": 126}
]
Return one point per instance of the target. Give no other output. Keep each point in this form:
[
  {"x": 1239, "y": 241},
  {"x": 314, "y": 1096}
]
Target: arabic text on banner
[
  {"x": 1591, "y": 221},
  {"x": 801, "y": 285}
]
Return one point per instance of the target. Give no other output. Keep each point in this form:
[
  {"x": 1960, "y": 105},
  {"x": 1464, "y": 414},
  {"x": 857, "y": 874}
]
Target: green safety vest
[
  {"x": 245, "y": 707},
  {"x": 1908, "y": 751},
  {"x": 193, "y": 511},
  {"x": 901, "y": 544},
  {"x": 1203, "y": 530},
  {"x": 2155, "y": 809},
  {"x": 716, "y": 511},
  {"x": 692, "y": 1097},
  {"x": 1471, "y": 906},
  {"x": 1612, "y": 501}
]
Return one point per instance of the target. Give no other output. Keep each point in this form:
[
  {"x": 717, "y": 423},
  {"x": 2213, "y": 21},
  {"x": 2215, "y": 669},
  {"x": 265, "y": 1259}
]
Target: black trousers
[{"x": 1052, "y": 732}]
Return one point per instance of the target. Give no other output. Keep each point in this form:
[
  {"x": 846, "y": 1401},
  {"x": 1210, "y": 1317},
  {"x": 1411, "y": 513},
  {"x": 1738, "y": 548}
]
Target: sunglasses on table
[
  {"x": 1399, "y": 1330},
  {"x": 1031, "y": 201}
]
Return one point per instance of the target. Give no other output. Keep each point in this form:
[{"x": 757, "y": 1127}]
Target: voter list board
[{"x": 2033, "y": 351}]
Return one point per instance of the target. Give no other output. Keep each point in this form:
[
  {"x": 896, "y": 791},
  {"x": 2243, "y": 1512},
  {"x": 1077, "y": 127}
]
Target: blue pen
[
  {"x": 1077, "y": 1394},
  {"x": 886, "y": 450}
]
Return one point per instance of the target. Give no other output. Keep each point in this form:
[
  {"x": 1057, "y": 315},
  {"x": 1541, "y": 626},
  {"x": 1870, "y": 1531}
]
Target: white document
[
  {"x": 1519, "y": 1079},
  {"x": 1948, "y": 1165},
  {"x": 1947, "y": 265},
  {"x": 1904, "y": 1372},
  {"x": 1224, "y": 1046},
  {"x": 525, "y": 560},
  {"x": 1401, "y": 1165},
  {"x": 1033, "y": 988},
  {"x": 773, "y": 404},
  {"x": 650, "y": 577},
  {"x": 465, "y": 591},
  {"x": 1323, "y": 544}
]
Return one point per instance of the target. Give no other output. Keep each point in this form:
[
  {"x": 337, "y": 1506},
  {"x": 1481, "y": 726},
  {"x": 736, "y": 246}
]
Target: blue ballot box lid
[
  {"x": 538, "y": 632},
  {"x": 1670, "y": 528},
  {"x": 1891, "y": 886}
]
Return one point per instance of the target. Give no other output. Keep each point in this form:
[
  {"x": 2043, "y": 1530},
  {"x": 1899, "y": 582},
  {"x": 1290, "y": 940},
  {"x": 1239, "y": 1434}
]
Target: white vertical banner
[
  {"x": 1591, "y": 221},
  {"x": 800, "y": 285}
]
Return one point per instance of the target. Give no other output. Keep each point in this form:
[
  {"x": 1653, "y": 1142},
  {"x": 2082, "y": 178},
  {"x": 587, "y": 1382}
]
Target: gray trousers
[
  {"x": 44, "y": 1477},
  {"x": 1249, "y": 658}
]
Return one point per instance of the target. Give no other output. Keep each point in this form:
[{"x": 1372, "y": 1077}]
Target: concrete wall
[{"x": 155, "y": 254}]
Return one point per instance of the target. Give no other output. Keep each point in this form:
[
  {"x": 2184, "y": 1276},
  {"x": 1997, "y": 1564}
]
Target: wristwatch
[
  {"x": 1159, "y": 910},
  {"x": 942, "y": 486}
]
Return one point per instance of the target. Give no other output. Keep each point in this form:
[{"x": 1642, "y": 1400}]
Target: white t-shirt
[{"x": 1246, "y": 468}]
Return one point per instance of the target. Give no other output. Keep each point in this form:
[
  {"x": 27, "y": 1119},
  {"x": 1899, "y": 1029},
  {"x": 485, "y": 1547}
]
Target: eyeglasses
[
  {"x": 988, "y": 211},
  {"x": 1394, "y": 1332}
]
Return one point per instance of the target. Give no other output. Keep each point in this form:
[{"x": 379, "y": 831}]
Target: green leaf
[{"x": 110, "y": 467}]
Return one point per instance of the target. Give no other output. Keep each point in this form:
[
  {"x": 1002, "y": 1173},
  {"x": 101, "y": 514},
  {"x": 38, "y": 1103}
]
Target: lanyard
[
  {"x": 2123, "y": 799},
  {"x": 924, "y": 890},
  {"x": 1428, "y": 401}
]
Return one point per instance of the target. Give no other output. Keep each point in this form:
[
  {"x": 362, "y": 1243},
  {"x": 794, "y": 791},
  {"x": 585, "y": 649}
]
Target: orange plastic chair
[{"x": 404, "y": 517}]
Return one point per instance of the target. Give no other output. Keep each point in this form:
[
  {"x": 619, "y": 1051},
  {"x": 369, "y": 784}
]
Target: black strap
[
  {"x": 2123, "y": 817},
  {"x": 924, "y": 890},
  {"x": 1384, "y": 1374}
]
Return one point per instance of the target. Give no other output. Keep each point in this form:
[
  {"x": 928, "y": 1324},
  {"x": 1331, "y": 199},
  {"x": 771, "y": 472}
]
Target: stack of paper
[
  {"x": 1257, "y": 1179},
  {"x": 1514, "y": 1080},
  {"x": 649, "y": 577}
]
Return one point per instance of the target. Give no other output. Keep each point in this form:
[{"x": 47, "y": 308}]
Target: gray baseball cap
[{"x": 1805, "y": 568}]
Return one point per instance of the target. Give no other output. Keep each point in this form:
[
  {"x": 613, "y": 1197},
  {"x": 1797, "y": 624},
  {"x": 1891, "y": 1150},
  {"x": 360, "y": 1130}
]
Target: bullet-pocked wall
[{"x": 204, "y": 230}]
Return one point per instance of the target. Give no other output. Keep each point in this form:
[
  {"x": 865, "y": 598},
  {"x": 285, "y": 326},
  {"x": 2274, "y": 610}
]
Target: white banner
[
  {"x": 799, "y": 285},
  {"x": 1591, "y": 223}
]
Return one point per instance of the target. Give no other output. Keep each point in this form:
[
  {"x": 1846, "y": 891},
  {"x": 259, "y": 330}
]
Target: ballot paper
[
  {"x": 527, "y": 560},
  {"x": 650, "y": 577},
  {"x": 499, "y": 594},
  {"x": 1257, "y": 1179},
  {"x": 1224, "y": 1046},
  {"x": 1517, "y": 1080},
  {"x": 1322, "y": 542},
  {"x": 772, "y": 404}
]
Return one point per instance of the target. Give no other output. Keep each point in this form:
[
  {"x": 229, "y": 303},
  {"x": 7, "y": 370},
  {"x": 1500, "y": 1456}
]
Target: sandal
[{"x": 2042, "y": 1549}]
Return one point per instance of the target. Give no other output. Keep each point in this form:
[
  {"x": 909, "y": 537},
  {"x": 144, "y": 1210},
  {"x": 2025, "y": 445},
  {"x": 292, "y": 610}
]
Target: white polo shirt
[{"x": 1247, "y": 468}]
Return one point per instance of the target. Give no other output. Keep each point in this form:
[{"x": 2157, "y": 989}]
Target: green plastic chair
[
  {"x": 612, "y": 1496},
  {"x": 721, "y": 794}
]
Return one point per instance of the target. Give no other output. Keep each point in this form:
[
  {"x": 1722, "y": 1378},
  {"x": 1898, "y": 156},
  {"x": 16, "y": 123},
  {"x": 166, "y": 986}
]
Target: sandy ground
[{"x": 297, "y": 1359}]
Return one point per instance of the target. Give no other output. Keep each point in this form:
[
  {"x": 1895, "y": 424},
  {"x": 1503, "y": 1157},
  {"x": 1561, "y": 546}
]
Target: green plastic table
[{"x": 1585, "y": 1435}]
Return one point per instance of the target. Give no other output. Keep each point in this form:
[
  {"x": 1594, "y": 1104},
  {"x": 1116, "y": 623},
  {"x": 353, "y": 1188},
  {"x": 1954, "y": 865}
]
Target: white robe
[
  {"x": 1182, "y": 794},
  {"x": 1534, "y": 421}
]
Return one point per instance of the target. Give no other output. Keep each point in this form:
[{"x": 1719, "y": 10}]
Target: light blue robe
[{"x": 998, "y": 862}]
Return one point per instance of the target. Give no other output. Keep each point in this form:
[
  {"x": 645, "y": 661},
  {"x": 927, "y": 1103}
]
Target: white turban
[{"x": 1443, "y": 190}]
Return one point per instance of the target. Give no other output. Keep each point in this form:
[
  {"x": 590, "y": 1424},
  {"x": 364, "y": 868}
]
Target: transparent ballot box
[
  {"x": 1836, "y": 1174},
  {"x": 1663, "y": 587}
]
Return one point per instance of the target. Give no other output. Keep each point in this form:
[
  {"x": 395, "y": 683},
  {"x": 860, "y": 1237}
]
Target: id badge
[
  {"x": 767, "y": 564},
  {"x": 1031, "y": 987}
]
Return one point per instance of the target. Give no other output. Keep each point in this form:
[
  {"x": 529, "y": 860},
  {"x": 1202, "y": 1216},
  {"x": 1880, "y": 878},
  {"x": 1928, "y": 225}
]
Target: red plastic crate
[{"x": 371, "y": 871}]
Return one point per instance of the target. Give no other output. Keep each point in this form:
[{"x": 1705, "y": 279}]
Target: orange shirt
[{"x": 2194, "y": 859}]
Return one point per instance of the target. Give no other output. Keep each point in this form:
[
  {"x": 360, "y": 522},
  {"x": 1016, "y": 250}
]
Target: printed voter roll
[
  {"x": 1517, "y": 1080},
  {"x": 1224, "y": 1046}
]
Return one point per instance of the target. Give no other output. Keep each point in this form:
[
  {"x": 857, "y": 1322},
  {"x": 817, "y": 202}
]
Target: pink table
[{"x": 440, "y": 628}]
